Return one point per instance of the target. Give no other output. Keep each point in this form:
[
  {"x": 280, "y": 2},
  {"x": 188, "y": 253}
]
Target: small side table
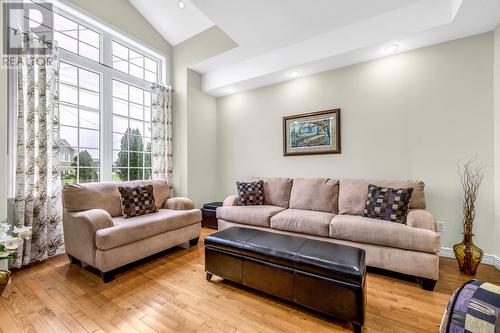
[{"x": 209, "y": 215}]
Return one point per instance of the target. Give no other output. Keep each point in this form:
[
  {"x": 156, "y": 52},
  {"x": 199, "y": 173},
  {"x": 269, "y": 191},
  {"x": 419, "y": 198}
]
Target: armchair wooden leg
[
  {"x": 426, "y": 284},
  {"x": 209, "y": 276},
  {"x": 73, "y": 260},
  {"x": 194, "y": 241},
  {"x": 107, "y": 276},
  {"x": 357, "y": 328}
]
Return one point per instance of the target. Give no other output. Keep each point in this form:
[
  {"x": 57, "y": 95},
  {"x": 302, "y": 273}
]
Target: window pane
[
  {"x": 137, "y": 126},
  {"x": 120, "y": 65},
  {"x": 89, "y": 36},
  {"x": 65, "y": 25},
  {"x": 120, "y": 141},
  {"x": 136, "y": 95},
  {"x": 68, "y": 94},
  {"x": 136, "y": 111},
  {"x": 148, "y": 76},
  {"x": 120, "y": 90},
  {"x": 88, "y": 158},
  {"x": 68, "y": 173},
  {"x": 70, "y": 135},
  {"x": 66, "y": 42},
  {"x": 89, "y": 99},
  {"x": 147, "y": 98},
  {"x": 68, "y": 115},
  {"x": 136, "y": 71},
  {"x": 88, "y": 175},
  {"x": 147, "y": 114},
  {"x": 120, "y": 107},
  {"x": 147, "y": 160},
  {"x": 89, "y": 118},
  {"x": 120, "y": 51},
  {"x": 147, "y": 144},
  {"x": 68, "y": 74},
  {"x": 120, "y": 174},
  {"x": 150, "y": 65},
  {"x": 136, "y": 58},
  {"x": 88, "y": 51},
  {"x": 120, "y": 124},
  {"x": 135, "y": 143},
  {"x": 89, "y": 138},
  {"x": 88, "y": 80},
  {"x": 147, "y": 127},
  {"x": 135, "y": 174},
  {"x": 147, "y": 174}
]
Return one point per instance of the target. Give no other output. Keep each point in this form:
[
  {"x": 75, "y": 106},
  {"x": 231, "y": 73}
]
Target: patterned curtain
[
  {"x": 38, "y": 185},
  {"x": 162, "y": 133}
]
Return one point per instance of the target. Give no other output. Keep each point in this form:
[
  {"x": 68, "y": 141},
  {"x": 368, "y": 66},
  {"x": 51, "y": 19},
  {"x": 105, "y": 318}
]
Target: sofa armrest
[
  {"x": 79, "y": 232},
  {"x": 231, "y": 200},
  {"x": 178, "y": 203},
  {"x": 422, "y": 219}
]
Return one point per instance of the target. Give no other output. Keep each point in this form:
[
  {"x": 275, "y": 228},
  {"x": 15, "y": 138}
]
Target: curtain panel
[
  {"x": 162, "y": 133},
  {"x": 38, "y": 185}
]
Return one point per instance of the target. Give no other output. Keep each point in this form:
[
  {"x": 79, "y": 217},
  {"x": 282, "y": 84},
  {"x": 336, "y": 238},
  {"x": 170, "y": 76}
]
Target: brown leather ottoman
[{"x": 325, "y": 277}]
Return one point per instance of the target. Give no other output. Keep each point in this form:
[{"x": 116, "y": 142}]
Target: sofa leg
[
  {"x": 357, "y": 328},
  {"x": 426, "y": 284},
  {"x": 209, "y": 276},
  {"x": 107, "y": 276},
  {"x": 73, "y": 260},
  {"x": 194, "y": 241}
]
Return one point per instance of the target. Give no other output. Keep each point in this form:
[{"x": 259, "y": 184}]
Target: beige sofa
[
  {"x": 96, "y": 233},
  {"x": 331, "y": 210}
]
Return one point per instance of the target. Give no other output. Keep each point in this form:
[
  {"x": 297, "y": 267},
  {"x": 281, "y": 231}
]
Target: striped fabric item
[{"x": 474, "y": 307}]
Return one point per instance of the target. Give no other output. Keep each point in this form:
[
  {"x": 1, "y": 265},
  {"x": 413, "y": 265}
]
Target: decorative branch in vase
[
  {"x": 468, "y": 255},
  {"x": 10, "y": 237}
]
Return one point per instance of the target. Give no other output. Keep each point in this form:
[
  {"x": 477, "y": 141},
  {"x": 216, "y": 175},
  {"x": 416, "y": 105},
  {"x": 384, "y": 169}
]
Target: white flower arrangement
[{"x": 10, "y": 237}]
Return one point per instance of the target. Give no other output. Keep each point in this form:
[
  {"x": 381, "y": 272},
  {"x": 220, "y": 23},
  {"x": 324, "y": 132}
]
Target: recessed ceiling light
[
  {"x": 181, "y": 4},
  {"x": 229, "y": 90},
  {"x": 390, "y": 49},
  {"x": 294, "y": 74}
]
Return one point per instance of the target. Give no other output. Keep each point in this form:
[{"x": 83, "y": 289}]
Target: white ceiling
[
  {"x": 173, "y": 23},
  {"x": 275, "y": 37}
]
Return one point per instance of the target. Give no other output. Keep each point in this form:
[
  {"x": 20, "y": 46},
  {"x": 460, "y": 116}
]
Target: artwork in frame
[{"x": 312, "y": 133}]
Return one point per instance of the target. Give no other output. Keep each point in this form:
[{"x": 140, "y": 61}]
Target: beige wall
[
  {"x": 412, "y": 115},
  {"x": 496, "y": 99},
  {"x": 187, "y": 107}
]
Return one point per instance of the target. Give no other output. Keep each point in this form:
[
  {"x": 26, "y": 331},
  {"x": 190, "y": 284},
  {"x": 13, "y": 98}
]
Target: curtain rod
[{"x": 17, "y": 31}]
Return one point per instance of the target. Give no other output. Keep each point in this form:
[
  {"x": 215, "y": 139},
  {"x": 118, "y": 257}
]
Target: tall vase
[{"x": 468, "y": 255}]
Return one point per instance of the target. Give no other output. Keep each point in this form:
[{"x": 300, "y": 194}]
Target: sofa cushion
[
  {"x": 379, "y": 232},
  {"x": 136, "y": 228},
  {"x": 136, "y": 201},
  {"x": 253, "y": 215},
  {"x": 387, "y": 203},
  {"x": 250, "y": 193},
  {"x": 303, "y": 221},
  {"x": 354, "y": 192},
  {"x": 276, "y": 190},
  {"x": 104, "y": 195},
  {"x": 318, "y": 194}
]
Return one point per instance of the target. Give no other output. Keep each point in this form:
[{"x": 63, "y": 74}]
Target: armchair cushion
[
  {"x": 303, "y": 221},
  {"x": 179, "y": 203},
  {"x": 126, "y": 231},
  {"x": 252, "y": 215}
]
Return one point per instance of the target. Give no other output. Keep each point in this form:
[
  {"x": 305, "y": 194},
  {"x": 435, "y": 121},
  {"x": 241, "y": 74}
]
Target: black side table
[{"x": 209, "y": 215}]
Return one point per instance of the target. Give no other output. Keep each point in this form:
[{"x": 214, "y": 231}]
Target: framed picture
[{"x": 312, "y": 133}]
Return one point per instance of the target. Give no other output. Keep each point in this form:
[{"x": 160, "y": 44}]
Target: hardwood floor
[{"x": 170, "y": 294}]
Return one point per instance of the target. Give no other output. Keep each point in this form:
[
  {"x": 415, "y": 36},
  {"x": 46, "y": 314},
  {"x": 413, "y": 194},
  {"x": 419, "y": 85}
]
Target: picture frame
[{"x": 312, "y": 133}]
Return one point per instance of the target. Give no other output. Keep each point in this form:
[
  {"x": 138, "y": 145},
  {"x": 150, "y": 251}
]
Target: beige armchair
[{"x": 96, "y": 233}]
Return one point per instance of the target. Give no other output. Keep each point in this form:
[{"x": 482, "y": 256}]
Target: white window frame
[{"x": 107, "y": 74}]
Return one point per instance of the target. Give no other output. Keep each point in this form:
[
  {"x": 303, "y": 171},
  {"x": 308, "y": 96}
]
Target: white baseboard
[{"x": 488, "y": 259}]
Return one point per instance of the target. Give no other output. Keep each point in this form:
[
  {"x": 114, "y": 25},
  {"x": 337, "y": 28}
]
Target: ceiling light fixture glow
[
  {"x": 294, "y": 74},
  {"x": 181, "y": 4},
  {"x": 391, "y": 49}
]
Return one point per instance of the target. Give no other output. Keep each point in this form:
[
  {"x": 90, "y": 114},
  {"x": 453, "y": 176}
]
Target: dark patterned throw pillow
[
  {"x": 250, "y": 194},
  {"x": 387, "y": 203},
  {"x": 137, "y": 201}
]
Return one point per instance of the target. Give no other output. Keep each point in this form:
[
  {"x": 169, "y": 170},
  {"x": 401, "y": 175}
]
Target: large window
[
  {"x": 131, "y": 132},
  {"x": 105, "y": 95},
  {"x": 79, "y": 109}
]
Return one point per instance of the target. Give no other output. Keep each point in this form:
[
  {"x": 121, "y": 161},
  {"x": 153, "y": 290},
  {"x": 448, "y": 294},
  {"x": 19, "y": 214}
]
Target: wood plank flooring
[{"x": 170, "y": 294}]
